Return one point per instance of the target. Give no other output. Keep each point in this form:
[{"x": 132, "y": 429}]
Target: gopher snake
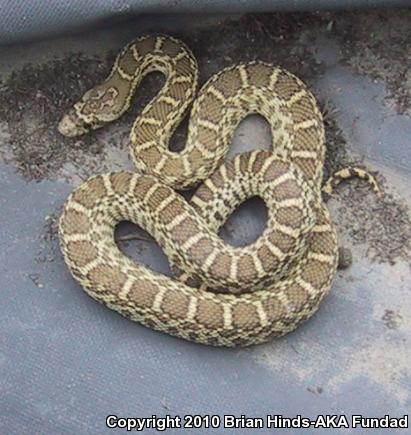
[{"x": 259, "y": 291}]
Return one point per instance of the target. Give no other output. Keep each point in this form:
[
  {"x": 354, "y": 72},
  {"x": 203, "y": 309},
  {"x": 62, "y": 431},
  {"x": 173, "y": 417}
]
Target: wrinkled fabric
[{"x": 25, "y": 20}]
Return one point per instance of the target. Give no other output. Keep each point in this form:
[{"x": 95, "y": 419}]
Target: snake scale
[{"x": 225, "y": 295}]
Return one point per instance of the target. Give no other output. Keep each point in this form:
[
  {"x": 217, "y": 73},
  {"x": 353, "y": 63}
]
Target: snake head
[
  {"x": 72, "y": 125},
  {"x": 93, "y": 110}
]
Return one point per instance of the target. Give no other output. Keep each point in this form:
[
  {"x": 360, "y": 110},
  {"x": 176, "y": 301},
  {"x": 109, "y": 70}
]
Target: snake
[{"x": 224, "y": 295}]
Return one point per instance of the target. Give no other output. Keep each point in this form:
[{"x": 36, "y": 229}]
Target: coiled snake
[{"x": 242, "y": 295}]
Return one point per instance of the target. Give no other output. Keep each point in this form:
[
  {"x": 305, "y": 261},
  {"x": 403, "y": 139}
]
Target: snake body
[{"x": 225, "y": 296}]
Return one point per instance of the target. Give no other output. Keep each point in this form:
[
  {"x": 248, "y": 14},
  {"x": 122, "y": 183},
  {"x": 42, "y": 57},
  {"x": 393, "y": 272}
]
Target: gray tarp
[
  {"x": 66, "y": 362},
  {"x": 23, "y": 20}
]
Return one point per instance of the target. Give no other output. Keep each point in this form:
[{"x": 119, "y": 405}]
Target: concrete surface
[{"x": 67, "y": 362}]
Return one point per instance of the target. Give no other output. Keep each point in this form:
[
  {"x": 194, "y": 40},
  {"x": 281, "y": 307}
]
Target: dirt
[
  {"x": 379, "y": 44},
  {"x": 391, "y": 319},
  {"x": 33, "y": 99},
  {"x": 383, "y": 224},
  {"x": 31, "y": 103}
]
